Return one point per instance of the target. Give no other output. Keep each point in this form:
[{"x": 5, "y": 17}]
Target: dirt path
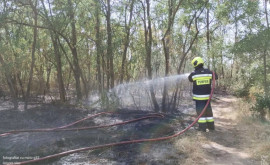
[{"x": 229, "y": 143}]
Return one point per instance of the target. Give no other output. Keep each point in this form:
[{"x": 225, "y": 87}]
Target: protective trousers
[{"x": 206, "y": 120}]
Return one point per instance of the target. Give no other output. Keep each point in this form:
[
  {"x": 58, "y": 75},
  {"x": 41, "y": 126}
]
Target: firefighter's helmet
[{"x": 197, "y": 61}]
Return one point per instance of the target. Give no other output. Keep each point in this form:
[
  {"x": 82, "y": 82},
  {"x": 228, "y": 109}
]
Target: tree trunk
[
  {"x": 266, "y": 13},
  {"x": 108, "y": 72},
  {"x": 148, "y": 47},
  {"x": 21, "y": 85},
  {"x": 266, "y": 89},
  {"x": 109, "y": 44},
  {"x": 98, "y": 45},
  {"x": 235, "y": 40},
  {"x": 68, "y": 80},
  {"x": 35, "y": 12},
  {"x": 265, "y": 73},
  {"x": 221, "y": 56},
  {"x": 12, "y": 81},
  {"x": 85, "y": 84},
  {"x": 57, "y": 56},
  {"x": 10, "y": 84},
  {"x": 77, "y": 69},
  {"x": 47, "y": 88},
  {"x": 185, "y": 51},
  {"x": 222, "y": 67},
  {"x": 208, "y": 35},
  {"x": 61, "y": 86},
  {"x": 126, "y": 42},
  {"x": 104, "y": 71},
  {"x": 166, "y": 41}
]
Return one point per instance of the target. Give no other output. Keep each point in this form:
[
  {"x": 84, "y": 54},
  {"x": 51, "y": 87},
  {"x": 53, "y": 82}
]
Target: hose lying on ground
[
  {"x": 64, "y": 128},
  {"x": 122, "y": 142}
]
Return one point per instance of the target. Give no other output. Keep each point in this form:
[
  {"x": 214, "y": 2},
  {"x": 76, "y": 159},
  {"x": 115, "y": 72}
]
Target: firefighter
[{"x": 202, "y": 79}]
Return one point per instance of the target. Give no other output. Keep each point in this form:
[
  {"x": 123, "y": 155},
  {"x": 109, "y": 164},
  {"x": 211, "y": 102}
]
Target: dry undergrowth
[
  {"x": 257, "y": 133},
  {"x": 255, "y": 137},
  {"x": 190, "y": 146}
]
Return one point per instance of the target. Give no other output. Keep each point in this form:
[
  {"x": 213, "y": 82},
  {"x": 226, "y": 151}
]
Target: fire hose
[
  {"x": 117, "y": 143},
  {"x": 64, "y": 128}
]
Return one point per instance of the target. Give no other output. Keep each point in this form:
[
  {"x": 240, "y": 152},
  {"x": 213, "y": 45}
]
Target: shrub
[
  {"x": 262, "y": 105},
  {"x": 242, "y": 92}
]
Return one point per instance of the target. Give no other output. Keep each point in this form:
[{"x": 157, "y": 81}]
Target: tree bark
[
  {"x": 148, "y": 47},
  {"x": 104, "y": 71},
  {"x": 166, "y": 41},
  {"x": 12, "y": 81},
  {"x": 266, "y": 89},
  {"x": 185, "y": 51},
  {"x": 73, "y": 47},
  {"x": 21, "y": 85},
  {"x": 186, "y": 47},
  {"x": 61, "y": 86},
  {"x": 126, "y": 41},
  {"x": 98, "y": 45},
  {"x": 109, "y": 44},
  {"x": 222, "y": 63},
  {"x": 208, "y": 34},
  {"x": 266, "y": 13},
  {"x": 265, "y": 73},
  {"x": 35, "y": 12},
  {"x": 57, "y": 56},
  {"x": 235, "y": 39},
  {"x": 48, "y": 75},
  {"x": 10, "y": 84}
]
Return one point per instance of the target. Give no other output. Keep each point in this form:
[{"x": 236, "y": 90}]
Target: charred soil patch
[{"x": 39, "y": 144}]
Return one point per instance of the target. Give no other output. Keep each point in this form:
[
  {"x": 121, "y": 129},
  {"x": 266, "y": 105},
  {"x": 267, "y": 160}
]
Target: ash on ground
[{"x": 40, "y": 144}]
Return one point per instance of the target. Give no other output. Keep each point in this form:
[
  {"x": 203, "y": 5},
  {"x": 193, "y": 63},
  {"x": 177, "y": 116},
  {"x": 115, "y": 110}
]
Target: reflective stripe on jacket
[{"x": 202, "y": 79}]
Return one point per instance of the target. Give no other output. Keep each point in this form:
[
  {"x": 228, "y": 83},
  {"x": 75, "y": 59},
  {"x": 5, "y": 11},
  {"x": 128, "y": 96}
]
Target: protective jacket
[{"x": 202, "y": 79}]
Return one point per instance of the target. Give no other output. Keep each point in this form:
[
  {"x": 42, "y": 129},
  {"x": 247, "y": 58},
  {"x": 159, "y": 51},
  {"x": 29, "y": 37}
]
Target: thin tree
[
  {"x": 265, "y": 54},
  {"x": 186, "y": 49},
  {"x": 98, "y": 45},
  {"x": 54, "y": 39},
  {"x": 148, "y": 48},
  {"x": 166, "y": 41},
  {"x": 73, "y": 47},
  {"x": 188, "y": 45},
  {"x": 110, "y": 67},
  {"x": 208, "y": 32},
  {"x": 35, "y": 31},
  {"x": 11, "y": 86},
  {"x": 127, "y": 39}
]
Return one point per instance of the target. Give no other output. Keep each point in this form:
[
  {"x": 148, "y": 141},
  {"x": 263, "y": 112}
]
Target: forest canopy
[{"x": 75, "y": 48}]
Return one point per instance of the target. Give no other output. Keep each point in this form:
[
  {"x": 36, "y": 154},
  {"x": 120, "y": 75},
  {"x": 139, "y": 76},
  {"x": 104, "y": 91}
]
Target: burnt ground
[{"x": 24, "y": 146}]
